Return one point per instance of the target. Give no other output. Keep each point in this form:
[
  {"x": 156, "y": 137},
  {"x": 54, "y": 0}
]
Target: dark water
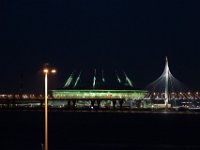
[{"x": 77, "y": 131}]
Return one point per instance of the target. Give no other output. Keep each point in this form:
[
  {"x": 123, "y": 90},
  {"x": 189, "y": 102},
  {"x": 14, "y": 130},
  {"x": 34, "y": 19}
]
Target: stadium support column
[
  {"x": 114, "y": 103},
  {"x": 74, "y": 103},
  {"x": 121, "y": 101},
  {"x": 92, "y": 103},
  {"x": 99, "y": 103},
  {"x": 68, "y": 104}
]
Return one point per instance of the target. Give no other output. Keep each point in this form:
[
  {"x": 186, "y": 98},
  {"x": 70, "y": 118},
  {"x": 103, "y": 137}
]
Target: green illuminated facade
[{"x": 98, "y": 94}]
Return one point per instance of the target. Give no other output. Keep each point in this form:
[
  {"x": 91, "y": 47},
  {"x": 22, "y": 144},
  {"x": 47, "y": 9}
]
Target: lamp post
[{"x": 46, "y": 72}]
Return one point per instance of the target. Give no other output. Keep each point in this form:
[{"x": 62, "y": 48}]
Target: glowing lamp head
[
  {"x": 45, "y": 70},
  {"x": 53, "y": 71}
]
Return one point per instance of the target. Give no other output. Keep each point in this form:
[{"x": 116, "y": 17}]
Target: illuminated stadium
[{"x": 98, "y": 87}]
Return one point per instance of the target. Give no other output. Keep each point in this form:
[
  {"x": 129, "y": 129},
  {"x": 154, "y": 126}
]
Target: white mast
[{"x": 166, "y": 73}]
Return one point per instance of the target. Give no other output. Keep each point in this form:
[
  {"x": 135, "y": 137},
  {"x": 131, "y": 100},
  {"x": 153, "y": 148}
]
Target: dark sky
[{"x": 131, "y": 35}]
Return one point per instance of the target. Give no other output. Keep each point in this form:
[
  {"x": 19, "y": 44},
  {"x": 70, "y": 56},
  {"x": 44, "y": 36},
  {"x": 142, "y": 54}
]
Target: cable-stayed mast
[
  {"x": 166, "y": 73},
  {"x": 165, "y": 86}
]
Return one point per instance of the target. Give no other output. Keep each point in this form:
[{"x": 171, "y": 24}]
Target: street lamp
[{"x": 46, "y": 71}]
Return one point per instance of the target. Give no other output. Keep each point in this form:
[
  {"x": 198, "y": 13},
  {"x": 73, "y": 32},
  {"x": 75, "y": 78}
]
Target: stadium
[{"x": 98, "y": 88}]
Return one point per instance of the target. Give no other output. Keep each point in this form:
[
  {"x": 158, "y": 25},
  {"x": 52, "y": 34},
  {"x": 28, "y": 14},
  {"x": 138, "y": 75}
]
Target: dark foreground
[{"x": 99, "y": 131}]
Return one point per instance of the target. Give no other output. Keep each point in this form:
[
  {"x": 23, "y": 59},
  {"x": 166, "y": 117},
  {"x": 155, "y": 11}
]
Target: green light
[{"x": 98, "y": 94}]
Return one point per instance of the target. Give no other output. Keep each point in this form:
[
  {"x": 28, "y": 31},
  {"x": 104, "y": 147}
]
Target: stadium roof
[{"x": 99, "y": 79}]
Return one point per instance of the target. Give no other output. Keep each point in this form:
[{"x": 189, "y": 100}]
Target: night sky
[{"x": 134, "y": 36}]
